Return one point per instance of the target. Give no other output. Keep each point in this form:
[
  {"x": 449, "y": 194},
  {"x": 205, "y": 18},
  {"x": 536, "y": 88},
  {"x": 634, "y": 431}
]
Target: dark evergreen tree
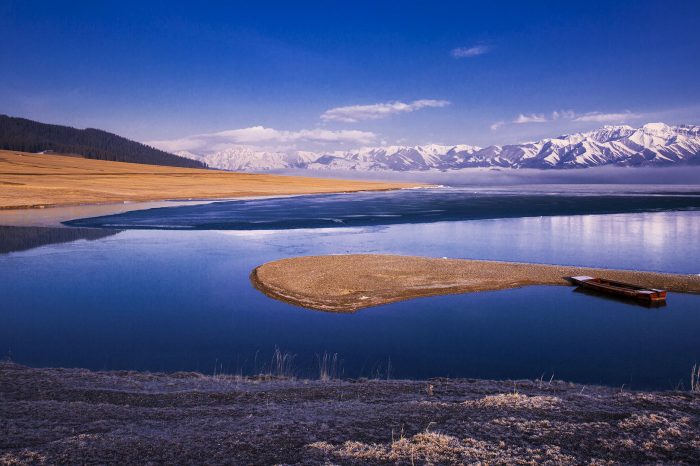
[{"x": 25, "y": 135}]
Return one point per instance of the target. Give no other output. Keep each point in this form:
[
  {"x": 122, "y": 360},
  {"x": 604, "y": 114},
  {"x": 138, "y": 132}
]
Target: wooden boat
[{"x": 624, "y": 290}]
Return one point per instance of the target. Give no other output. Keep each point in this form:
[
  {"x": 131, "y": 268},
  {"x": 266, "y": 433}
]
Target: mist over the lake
[{"x": 672, "y": 175}]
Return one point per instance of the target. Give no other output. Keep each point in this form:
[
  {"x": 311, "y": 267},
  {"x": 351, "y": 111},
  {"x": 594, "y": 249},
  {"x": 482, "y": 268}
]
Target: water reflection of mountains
[{"x": 13, "y": 239}]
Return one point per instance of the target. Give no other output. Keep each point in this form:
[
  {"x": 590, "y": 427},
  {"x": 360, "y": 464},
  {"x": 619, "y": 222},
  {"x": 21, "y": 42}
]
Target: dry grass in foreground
[
  {"x": 73, "y": 416},
  {"x": 346, "y": 283},
  {"x": 36, "y": 180}
]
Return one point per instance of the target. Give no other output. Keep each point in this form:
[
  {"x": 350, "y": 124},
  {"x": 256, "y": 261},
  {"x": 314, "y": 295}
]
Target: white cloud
[
  {"x": 262, "y": 136},
  {"x": 531, "y": 118},
  {"x": 563, "y": 114},
  {"x": 570, "y": 115},
  {"x": 497, "y": 125},
  {"x": 607, "y": 117},
  {"x": 469, "y": 52},
  {"x": 354, "y": 113}
]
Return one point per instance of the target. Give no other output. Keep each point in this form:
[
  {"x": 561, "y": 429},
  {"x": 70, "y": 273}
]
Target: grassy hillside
[{"x": 31, "y": 136}]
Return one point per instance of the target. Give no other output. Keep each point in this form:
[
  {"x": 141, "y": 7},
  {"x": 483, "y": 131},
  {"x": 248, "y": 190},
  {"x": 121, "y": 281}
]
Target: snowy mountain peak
[{"x": 651, "y": 144}]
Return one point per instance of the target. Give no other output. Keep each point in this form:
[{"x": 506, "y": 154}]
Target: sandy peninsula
[
  {"x": 38, "y": 180},
  {"x": 75, "y": 416},
  {"x": 346, "y": 283}
]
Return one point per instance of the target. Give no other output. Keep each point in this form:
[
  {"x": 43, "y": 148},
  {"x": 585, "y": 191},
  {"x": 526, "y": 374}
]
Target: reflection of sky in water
[
  {"x": 181, "y": 300},
  {"x": 664, "y": 241}
]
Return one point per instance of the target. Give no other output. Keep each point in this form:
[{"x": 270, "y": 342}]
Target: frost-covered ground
[{"x": 75, "y": 416}]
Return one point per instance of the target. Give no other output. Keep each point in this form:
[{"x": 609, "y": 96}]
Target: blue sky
[{"x": 194, "y": 75}]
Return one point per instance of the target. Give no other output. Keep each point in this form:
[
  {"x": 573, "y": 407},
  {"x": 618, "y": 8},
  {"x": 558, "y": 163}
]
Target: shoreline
[
  {"x": 77, "y": 415},
  {"x": 202, "y": 199},
  {"x": 33, "y": 182},
  {"x": 350, "y": 282},
  {"x": 54, "y": 216}
]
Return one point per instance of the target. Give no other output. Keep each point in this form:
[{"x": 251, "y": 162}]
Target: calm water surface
[{"x": 181, "y": 300}]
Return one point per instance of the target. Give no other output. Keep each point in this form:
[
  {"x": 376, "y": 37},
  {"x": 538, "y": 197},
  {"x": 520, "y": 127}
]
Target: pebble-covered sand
[{"x": 346, "y": 283}]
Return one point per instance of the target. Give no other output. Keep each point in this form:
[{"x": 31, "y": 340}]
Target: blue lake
[{"x": 169, "y": 300}]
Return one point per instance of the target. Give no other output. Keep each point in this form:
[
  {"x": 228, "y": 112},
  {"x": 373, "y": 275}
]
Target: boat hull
[{"x": 621, "y": 289}]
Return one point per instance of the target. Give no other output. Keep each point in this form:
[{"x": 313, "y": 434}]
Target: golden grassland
[
  {"x": 39, "y": 180},
  {"x": 346, "y": 283}
]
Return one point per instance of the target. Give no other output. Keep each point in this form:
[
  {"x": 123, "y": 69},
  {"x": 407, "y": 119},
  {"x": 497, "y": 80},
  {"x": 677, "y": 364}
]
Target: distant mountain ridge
[
  {"x": 622, "y": 145},
  {"x": 25, "y": 135}
]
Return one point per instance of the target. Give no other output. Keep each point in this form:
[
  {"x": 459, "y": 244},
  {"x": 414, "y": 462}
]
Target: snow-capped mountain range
[{"x": 652, "y": 144}]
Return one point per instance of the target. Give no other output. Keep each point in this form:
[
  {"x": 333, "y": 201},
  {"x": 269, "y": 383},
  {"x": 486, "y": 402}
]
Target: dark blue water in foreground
[{"x": 181, "y": 300}]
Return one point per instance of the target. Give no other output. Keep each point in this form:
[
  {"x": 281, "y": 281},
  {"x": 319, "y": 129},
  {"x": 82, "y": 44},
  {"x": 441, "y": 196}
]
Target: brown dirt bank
[
  {"x": 346, "y": 283},
  {"x": 36, "y": 180},
  {"x": 74, "y": 416}
]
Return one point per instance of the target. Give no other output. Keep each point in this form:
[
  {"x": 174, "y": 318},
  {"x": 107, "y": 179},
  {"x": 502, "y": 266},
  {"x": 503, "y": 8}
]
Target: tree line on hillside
[{"x": 25, "y": 135}]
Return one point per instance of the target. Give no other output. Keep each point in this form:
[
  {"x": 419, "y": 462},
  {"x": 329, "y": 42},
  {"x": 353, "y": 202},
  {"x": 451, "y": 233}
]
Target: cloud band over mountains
[
  {"x": 270, "y": 137},
  {"x": 307, "y": 139},
  {"x": 569, "y": 115},
  {"x": 260, "y": 135}
]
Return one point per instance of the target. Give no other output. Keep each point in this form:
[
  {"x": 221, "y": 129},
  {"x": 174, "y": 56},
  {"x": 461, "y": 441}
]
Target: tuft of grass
[
  {"x": 695, "y": 378},
  {"x": 327, "y": 366},
  {"x": 281, "y": 365}
]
